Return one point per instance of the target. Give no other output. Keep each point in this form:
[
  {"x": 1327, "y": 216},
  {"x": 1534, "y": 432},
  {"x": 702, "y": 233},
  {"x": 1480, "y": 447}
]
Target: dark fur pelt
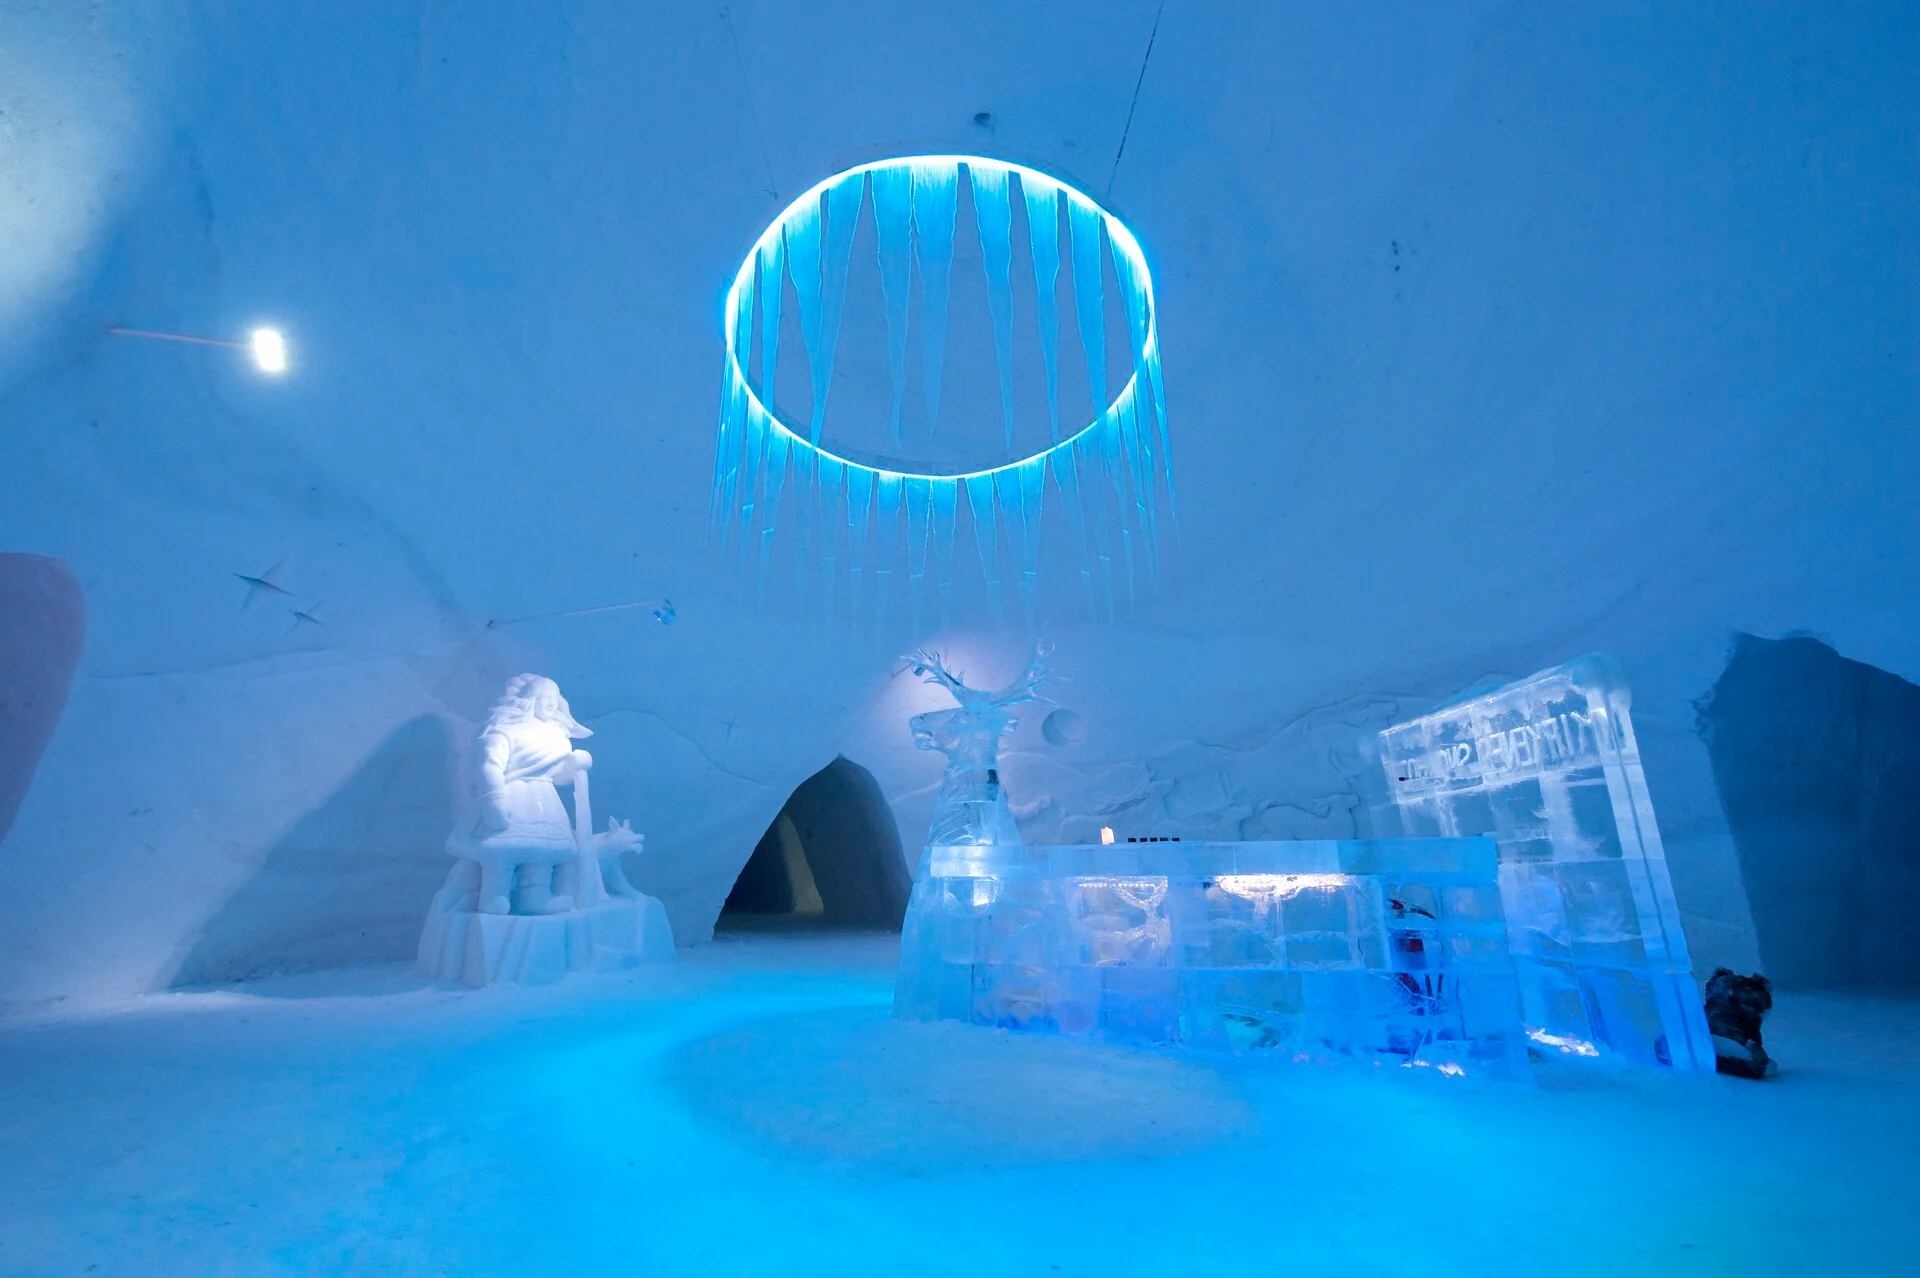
[{"x": 1735, "y": 1007}]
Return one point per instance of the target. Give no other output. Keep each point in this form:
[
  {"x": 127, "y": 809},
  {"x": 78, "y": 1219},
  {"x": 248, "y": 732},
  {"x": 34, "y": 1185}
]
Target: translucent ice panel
[{"x": 1549, "y": 768}]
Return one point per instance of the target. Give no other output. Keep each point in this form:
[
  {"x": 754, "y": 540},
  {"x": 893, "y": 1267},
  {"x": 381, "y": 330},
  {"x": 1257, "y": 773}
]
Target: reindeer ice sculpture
[{"x": 971, "y": 808}]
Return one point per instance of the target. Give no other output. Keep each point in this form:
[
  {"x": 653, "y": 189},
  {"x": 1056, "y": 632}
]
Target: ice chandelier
[{"x": 1108, "y": 475}]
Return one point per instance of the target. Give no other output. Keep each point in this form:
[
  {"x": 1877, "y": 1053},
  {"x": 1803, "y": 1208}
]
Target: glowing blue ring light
[{"x": 1110, "y": 476}]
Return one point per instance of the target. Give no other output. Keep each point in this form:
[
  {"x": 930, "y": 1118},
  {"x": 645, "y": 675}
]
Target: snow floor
[{"x": 753, "y": 1110}]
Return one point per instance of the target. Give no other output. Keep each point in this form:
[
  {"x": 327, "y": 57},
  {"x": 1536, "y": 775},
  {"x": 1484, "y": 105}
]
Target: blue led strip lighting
[{"x": 1107, "y": 476}]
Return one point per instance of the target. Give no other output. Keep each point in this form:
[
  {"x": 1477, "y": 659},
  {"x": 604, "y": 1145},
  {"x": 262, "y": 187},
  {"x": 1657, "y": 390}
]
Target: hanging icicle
[
  {"x": 886, "y": 519},
  {"x": 1107, "y": 476},
  {"x": 773, "y": 286},
  {"x": 832, "y": 514},
  {"x": 936, "y": 195},
  {"x": 919, "y": 504},
  {"x": 893, "y": 218},
  {"x": 993, "y": 215},
  {"x": 980, "y": 503},
  {"x": 1043, "y": 234},
  {"x": 803, "y": 266},
  {"x": 843, "y": 213},
  {"x": 1084, "y": 221},
  {"x": 946, "y": 504},
  {"x": 859, "y": 501}
]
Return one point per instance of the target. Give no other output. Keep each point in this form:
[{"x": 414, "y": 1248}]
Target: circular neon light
[
  {"x": 1127, "y": 256},
  {"x": 765, "y": 464}
]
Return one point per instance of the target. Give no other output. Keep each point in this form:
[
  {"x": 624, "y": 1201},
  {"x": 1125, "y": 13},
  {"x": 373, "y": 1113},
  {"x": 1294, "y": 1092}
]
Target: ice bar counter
[{"x": 1385, "y": 950}]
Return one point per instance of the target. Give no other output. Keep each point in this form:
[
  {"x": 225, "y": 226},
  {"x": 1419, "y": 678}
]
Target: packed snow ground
[{"x": 753, "y": 1110}]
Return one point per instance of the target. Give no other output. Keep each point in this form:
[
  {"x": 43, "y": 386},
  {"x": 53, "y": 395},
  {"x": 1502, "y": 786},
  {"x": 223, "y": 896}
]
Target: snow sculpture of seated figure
[
  {"x": 521, "y": 840},
  {"x": 534, "y": 895}
]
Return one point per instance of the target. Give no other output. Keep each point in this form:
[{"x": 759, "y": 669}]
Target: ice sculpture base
[
  {"x": 1389, "y": 951},
  {"x": 535, "y": 949}
]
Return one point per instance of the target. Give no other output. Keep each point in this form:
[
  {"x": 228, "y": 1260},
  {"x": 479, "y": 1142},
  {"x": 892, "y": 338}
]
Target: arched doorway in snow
[
  {"x": 830, "y": 859},
  {"x": 43, "y": 621}
]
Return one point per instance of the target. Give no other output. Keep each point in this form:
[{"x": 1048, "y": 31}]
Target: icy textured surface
[
  {"x": 1379, "y": 950},
  {"x": 1550, "y": 769}
]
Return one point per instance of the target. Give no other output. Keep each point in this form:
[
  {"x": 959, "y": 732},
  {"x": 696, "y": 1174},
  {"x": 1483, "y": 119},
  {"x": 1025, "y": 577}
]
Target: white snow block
[{"x": 536, "y": 949}]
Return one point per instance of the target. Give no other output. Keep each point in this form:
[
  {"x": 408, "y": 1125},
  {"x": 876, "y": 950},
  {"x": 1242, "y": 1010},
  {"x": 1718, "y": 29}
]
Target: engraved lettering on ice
[{"x": 1558, "y": 741}]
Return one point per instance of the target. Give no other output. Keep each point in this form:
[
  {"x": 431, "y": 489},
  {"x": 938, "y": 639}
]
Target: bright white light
[
  {"x": 1563, "y": 1042},
  {"x": 1266, "y": 887},
  {"x": 269, "y": 350},
  {"x": 1106, "y": 834}
]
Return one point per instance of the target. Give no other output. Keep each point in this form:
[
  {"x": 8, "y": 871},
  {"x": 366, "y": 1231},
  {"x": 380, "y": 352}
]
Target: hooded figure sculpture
[{"x": 520, "y": 836}]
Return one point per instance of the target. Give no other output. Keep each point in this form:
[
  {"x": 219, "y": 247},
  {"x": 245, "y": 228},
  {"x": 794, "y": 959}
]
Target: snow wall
[{"x": 1493, "y": 334}]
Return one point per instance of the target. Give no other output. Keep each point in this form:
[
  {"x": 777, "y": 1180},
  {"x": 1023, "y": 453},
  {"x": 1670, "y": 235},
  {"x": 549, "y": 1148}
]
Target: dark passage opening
[
  {"x": 43, "y": 621},
  {"x": 831, "y": 859},
  {"x": 1817, "y": 760}
]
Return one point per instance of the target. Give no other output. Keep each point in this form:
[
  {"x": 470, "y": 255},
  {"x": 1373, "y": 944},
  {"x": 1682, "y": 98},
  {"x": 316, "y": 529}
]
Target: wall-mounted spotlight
[
  {"x": 267, "y": 347},
  {"x": 269, "y": 350}
]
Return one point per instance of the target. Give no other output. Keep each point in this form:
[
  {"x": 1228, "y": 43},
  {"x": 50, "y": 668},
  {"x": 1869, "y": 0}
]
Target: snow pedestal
[
  {"x": 1390, "y": 950},
  {"x": 1549, "y": 768},
  {"x": 532, "y": 949}
]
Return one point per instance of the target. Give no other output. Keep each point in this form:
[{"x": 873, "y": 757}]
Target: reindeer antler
[
  {"x": 931, "y": 669},
  {"x": 1027, "y": 687}
]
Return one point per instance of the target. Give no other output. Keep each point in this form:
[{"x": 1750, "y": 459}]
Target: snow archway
[{"x": 831, "y": 857}]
